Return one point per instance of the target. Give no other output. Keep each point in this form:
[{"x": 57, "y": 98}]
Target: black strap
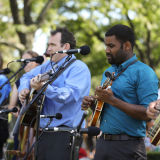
[
  {"x": 65, "y": 67},
  {"x": 114, "y": 78}
]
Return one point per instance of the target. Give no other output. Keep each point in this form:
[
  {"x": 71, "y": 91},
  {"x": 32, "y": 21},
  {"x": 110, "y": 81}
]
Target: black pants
[
  {"x": 132, "y": 149},
  {"x": 4, "y": 134},
  {"x": 55, "y": 146}
]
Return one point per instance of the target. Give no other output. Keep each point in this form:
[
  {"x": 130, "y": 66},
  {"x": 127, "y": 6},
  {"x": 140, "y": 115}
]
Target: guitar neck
[
  {"x": 16, "y": 126},
  {"x": 154, "y": 128}
]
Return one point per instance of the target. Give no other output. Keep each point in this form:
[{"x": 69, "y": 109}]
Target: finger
[
  {"x": 157, "y": 107},
  {"x": 86, "y": 105},
  {"x": 87, "y": 99},
  {"x": 85, "y": 102},
  {"x": 32, "y": 81},
  {"x": 83, "y": 109},
  {"x": 25, "y": 93},
  {"x": 22, "y": 97},
  {"x": 39, "y": 77},
  {"x": 22, "y": 102},
  {"x": 95, "y": 96},
  {"x": 98, "y": 89},
  {"x": 151, "y": 114},
  {"x": 92, "y": 99}
]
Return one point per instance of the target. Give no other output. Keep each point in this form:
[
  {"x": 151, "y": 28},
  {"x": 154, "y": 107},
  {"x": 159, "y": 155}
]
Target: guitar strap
[
  {"x": 114, "y": 78},
  {"x": 64, "y": 68}
]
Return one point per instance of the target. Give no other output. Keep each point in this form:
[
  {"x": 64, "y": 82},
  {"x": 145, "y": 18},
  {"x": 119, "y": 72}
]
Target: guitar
[
  {"x": 154, "y": 132},
  {"x": 31, "y": 111},
  {"x": 99, "y": 104}
]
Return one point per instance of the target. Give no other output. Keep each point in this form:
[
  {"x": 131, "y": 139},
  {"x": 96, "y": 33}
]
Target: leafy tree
[
  {"x": 25, "y": 17},
  {"x": 88, "y": 20}
]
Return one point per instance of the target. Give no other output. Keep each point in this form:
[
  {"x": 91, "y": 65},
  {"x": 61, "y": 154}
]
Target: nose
[
  {"x": 107, "y": 50},
  {"x": 49, "y": 48}
]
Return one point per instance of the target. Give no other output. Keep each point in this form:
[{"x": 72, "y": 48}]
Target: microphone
[
  {"x": 84, "y": 50},
  {"x": 5, "y": 71},
  {"x": 15, "y": 109},
  {"x": 57, "y": 116},
  {"x": 38, "y": 59},
  {"x": 91, "y": 131}
]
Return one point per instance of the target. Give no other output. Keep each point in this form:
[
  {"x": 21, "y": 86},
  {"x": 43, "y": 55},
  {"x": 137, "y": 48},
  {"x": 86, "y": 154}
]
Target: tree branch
[
  {"x": 18, "y": 46},
  {"x": 43, "y": 13},
  {"x": 26, "y": 12},
  {"x": 14, "y": 10},
  {"x": 97, "y": 34},
  {"x": 136, "y": 45}
]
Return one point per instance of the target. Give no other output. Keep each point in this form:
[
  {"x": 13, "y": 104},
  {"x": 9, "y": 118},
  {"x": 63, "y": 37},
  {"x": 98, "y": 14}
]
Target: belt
[{"x": 120, "y": 137}]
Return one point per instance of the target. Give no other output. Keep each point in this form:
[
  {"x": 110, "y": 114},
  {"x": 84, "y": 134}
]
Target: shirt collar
[
  {"x": 125, "y": 64},
  {"x": 60, "y": 62}
]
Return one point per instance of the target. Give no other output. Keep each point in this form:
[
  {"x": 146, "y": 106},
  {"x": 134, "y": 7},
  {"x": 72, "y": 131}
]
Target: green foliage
[
  {"x": 89, "y": 20},
  {"x": 153, "y": 155}
]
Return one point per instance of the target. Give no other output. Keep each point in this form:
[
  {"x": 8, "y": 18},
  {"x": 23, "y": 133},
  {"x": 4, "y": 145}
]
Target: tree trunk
[{"x": 27, "y": 40}]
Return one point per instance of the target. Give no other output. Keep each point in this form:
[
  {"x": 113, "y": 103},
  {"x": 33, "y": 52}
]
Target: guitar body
[
  {"x": 154, "y": 132},
  {"x": 31, "y": 112},
  {"x": 97, "y": 113},
  {"x": 156, "y": 139},
  {"x": 99, "y": 105}
]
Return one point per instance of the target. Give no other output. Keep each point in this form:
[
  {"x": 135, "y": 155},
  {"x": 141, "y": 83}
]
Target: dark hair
[
  {"x": 122, "y": 33},
  {"x": 66, "y": 37},
  {"x": 1, "y": 62},
  {"x": 31, "y": 53}
]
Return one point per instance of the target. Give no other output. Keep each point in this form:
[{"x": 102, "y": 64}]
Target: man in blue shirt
[
  {"x": 123, "y": 118},
  {"x": 63, "y": 96}
]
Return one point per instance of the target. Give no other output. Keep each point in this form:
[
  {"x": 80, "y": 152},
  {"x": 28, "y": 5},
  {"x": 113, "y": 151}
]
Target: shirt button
[{"x": 105, "y": 120}]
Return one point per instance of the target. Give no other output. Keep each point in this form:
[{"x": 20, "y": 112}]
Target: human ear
[
  {"x": 127, "y": 45},
  {"x": 66, "y": 46}
]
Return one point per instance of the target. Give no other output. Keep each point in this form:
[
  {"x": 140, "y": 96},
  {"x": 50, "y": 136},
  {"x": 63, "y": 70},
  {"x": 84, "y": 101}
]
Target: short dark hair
[
  {"x": 122, "y": 33},
  {"x": 66, "y": 37},
  {"x": 31, "y": 53}
]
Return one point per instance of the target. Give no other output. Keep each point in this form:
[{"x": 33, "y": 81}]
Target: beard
[
  {"x": 119, "y": 57},
  {"x": 112, "y": 59}
]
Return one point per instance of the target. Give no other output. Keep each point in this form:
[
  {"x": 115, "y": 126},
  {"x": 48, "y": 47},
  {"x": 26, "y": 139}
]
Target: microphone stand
[
  {"x": 21, "y": 68},
  {"x": 52, "y": 78},
  {"x": 3, "y": 118},
  {"x": 77, "y": 136}
]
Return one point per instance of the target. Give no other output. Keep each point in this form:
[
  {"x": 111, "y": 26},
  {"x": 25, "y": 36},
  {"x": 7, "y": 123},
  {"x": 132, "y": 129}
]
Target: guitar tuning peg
[{"x": 108, "y": 74}]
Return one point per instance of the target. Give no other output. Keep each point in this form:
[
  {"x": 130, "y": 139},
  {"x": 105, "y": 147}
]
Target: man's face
[
  {"x": 54, "y": 45},
  {"x": 115, "y": 54}
]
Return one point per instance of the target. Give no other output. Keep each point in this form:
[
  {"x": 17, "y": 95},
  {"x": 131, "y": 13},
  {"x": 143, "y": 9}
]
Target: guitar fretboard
[{"x": 154, "y": 128}]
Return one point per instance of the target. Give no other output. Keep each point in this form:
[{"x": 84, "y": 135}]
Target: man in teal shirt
[{"x": 123, "y": 119}]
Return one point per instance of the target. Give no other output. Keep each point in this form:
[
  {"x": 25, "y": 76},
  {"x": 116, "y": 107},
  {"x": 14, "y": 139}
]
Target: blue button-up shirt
[
  {"x": 65, "y": 94},
  {"x": 138, "y": 84},
  {"x": 5, "y": 90}
]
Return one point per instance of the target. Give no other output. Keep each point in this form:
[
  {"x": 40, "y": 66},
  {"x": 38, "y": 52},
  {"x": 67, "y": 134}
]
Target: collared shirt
[
  {"x": 138, "y": 85},
  {"x": 65, "y": 94},
  {"x": 5, "y": 90}
]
